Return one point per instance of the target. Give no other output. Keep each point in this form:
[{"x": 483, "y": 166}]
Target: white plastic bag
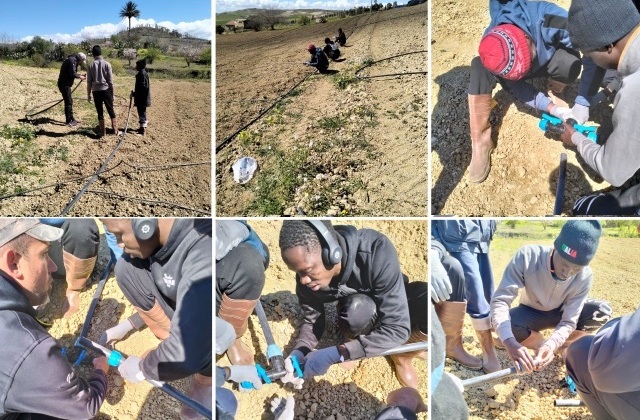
[{"x": 243, "y": 169}]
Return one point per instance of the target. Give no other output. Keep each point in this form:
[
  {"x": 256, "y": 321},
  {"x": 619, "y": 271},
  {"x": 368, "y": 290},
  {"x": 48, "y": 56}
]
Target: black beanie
[
  {"x": 594, "y": 24},
  {"x": 96, "y": 51},
  {"x": 578, "y": 241}
]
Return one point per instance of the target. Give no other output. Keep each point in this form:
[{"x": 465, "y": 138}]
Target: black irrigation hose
[
  {"x": 30, "y": 112},
  {"x": 260, "y": 115},
  {"x": 147, "y": 201},
  {"x": 389, "y": 58}
]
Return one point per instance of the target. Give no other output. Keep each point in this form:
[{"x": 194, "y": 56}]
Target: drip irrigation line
[
  {"x": 260, "y": 115},
  {"x": 102, "y": 167},
  {"x": 390, "y": 58},
  {"x": 147, "y": 201},
  {"x": 30, "y": 112},
  {"x": 392, "y": 74},
  {"x": 168, "y": 165}
]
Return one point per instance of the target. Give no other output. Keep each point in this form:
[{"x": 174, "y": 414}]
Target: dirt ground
[
  {"x": 355, "y": 394},
  {"x": 179, "y": 132},
  {"x": 524, "y": 170},
  {"x": 531, "y": 397},
  {"x": 361, "y": 166},
  {"x": 125, "y": 401}
]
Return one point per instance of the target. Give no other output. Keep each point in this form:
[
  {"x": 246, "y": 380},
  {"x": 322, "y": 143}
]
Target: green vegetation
[
  {"x": 331, "y": 123},
  {"x": 20, "y": 155}
]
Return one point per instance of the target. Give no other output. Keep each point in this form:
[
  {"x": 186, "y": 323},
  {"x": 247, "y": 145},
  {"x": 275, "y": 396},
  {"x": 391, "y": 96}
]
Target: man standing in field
[
  {"x": 100, "y": 83},
  {"x": 68, "y": 74},
  {"x": 142, "y": 94}
]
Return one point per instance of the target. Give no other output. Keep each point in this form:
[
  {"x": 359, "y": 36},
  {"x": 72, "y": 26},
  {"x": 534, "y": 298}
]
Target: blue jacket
[
  {"x": 464, "y": 235},
  {"x": 319, "y": 60}
]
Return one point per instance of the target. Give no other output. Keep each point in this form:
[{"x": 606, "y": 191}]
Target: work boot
[
  {"x": 481, "y": 144},
  {"x": 405, "y": 371},
  {"x": 103, "y": 129},
  {"x": 114, "y": 125},
  {"x": 141, "y": 131},
  {"x": 201, "y": 391},
  {"x": 534, "y": 341},
  {"x": 78, "y": 271},
  {"x": 575, "y": 335},
  {"x": 236, "y": 312},
  {"x": 451, "y": 316},
  {"x": 157, "y": 321},
  {"x": 490, "y": 362}
]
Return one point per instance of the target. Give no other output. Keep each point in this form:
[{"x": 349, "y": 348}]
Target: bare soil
[
  {"x": 531, "y": 397},
  {"x": 372, "y": 161},
  {"x": 525, "y": 163},
  {"x": 179, "y": 132},
  {"x": 358, "y": 393}
]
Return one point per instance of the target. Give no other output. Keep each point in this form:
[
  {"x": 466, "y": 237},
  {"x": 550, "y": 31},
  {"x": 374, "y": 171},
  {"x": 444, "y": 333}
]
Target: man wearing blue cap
[{"x": 555, "y": 282}]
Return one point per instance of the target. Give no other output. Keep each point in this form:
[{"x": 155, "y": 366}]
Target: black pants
[
  {"x": 103, "y": 97},
  {"x": 456, "y": 276},
  {"x": 81, "y": 238},
  {"x": 564, "y": 66},
  {"x": 68, "y": 102},
  {"x": 142, "y": 115},
  {"x": 595, "y": 313},
  {"x": 240, "y": 274}
]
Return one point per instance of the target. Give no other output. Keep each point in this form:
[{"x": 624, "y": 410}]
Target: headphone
[
  {"x": 144, "y": 228},
  {"x": 331, "y": 250}
]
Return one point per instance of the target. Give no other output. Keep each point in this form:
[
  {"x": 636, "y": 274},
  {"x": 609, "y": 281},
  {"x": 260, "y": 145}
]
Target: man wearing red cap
[
  {"x": 318, "y": 59},
  {"x": 524, "y": 40}
]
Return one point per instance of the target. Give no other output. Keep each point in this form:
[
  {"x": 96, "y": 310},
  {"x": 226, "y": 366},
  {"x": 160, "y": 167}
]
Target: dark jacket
[
  {"x": 342, "y": 38},
  {"x": 370, "y": 266},
  {"x": 34, "y": 375},
  {"x": 319, "y": 60},
  {"x": 186, "y": 258},
  {"x": 142, "y": 93},
  {"x": 464, "y": 235},
  {"x": 68, "y": 71}
]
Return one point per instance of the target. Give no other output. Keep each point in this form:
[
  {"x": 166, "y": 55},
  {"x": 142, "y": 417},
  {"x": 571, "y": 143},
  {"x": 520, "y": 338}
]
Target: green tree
[
  {"x": 305, "y": 20},
  {"x": 130, "y": 10}
]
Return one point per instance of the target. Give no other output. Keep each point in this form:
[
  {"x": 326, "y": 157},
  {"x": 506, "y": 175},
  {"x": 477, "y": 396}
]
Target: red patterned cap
[{"x": 504, "y": 51}]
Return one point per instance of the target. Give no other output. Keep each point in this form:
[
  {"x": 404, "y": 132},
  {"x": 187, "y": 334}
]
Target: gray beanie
[
  {"x": 578, "y": 241},
  {"x": 594, "y": 24}
]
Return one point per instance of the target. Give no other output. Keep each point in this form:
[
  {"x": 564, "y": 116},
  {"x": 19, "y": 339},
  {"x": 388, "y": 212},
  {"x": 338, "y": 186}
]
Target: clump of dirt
[
  {"x": 358, "y": 393},
  {"x": 524, "y": 164},
  {"x": 167, "y": 172},
  {"x": 335, "y": 145}
]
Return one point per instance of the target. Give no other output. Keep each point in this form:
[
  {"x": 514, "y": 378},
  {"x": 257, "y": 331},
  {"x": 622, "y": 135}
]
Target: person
[
  {"x": 33, "y": 363},
  {"x": 331, "y": 49},
  {"x": 75, "y": 255},
  {"x": 142, "y": 94},
  {"x": 341, "y": 38},
  {"x": 241, "y": 260},
  {"x": 360, "y": 270},
  {"x": 524, "y": 40},
  {"x": 318, "y": 59},
  {"x": 166, "y": 274},
  {"x": 555, "y": 282},
  {"x": 68, "y": 74},
  {"x": 100, "y": 83},
  {"x": 606, "y": 371},
  {"x": 468, "y": 241},
  {"x": 609, "y": 36}
]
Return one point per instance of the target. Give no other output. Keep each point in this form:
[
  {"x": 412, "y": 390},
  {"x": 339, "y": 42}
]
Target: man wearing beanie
[
  {"x": 100, "y": 83},
  {"x": 609, "y": 34},
  {"x": 555, "y": 282},
  {"x": 525, "y": 39},
  {"x": 68, "y": 74}
]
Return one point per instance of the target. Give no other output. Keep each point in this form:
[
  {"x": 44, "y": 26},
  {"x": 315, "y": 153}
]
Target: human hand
[
  {"x": 544, "y": 355},
  {"x": 520, "y": 355},
  {"x": 580, "y": 113},
  {"x": 100, "y": 363},
  {"x": 283, "y": 409},
  {"x": 83, "y": 76},
  {"x": 88, "y": 98},
  {"x": 291, "y": 377},
  {"x": 566, "y": 134},
  {"x": 559, "y": 111},
  {"x": 440, "y": 284},
  {"x": 245, "y": 373},
  {"x": 130, "y": 369},
  {"x": 318, "y": 362},
  {"x": 115, "y": 334}
]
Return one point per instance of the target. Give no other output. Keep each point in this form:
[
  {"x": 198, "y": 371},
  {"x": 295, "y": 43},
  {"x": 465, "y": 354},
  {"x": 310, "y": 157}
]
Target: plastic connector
[{"x": 554, "y": 125}]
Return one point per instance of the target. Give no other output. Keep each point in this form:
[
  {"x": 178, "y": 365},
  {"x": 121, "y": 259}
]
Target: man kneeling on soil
[
  {"x": 35, "y": 377},
  {"x": 359, "y": 269},
  {"x": 318, "y": 59},
  {"x": 166, "y": 274},
  {"x": 555, "y": 281}
]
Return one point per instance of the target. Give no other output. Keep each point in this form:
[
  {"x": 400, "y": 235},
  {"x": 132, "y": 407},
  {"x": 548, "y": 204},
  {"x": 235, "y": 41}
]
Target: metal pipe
[
  {"x": 96, "y": 297},
  {"x": 490, "y": 377},
  {"x": 406, "y": 348},
  {"x": 568, "y": 403}
]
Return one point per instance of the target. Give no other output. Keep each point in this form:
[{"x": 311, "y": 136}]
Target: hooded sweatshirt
[
  {"x": 370, "y": 266},
  {"x": 34, "y": 375},
  {"x": 530, "y": 270},
  {"x": 182, "y": 271}
]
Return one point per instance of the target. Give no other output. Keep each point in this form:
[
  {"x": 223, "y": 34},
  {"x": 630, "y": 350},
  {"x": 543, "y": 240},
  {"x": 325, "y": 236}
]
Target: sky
[
  {"x": 230, "y": 5},
  {"x": 74, "y": 21}
]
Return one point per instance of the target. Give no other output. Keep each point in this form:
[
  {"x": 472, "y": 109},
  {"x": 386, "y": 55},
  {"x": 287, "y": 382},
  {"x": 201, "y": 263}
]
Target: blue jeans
[
  {"x": 226, "y": 403},
  {"x": 478, "y": 279}
]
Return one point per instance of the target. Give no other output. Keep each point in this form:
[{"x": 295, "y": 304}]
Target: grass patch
[
  {"x": 331, "y": 123},
  {"x": 342, "y": 80},
  {"x": 19, "y": 156}
]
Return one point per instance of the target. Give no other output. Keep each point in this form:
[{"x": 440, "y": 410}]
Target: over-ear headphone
[
  {"x": 144, "y": 228},
  {"x": 331, "y": 250}
]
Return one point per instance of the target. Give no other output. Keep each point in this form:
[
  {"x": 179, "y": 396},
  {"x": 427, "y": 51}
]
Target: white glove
[
  {"x": 245, "y": 373},
  {"x": 580, "y": 113},
  {"x": 283, "y": 409},
  {"x": 115, "y": 334},
  {"x": 560, "y": 112},
  {"x": 130, "y": 369},
  {"x": 440, "y": 284},
  {"x": 288, "y": 366}
]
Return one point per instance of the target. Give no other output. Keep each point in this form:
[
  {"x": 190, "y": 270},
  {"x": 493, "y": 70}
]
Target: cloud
[
  {"x": 199, "y": 29},
  {"x": 227, "y": 5}
]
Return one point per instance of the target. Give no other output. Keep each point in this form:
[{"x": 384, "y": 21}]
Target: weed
[
  {"x": 331, "y": 123},
  {"x": 248, "y": 137},
  {"x": 342, "y": 80}
]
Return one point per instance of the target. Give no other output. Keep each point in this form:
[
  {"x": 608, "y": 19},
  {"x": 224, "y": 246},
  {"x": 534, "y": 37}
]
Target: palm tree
[{"x": 130, "y": 10}]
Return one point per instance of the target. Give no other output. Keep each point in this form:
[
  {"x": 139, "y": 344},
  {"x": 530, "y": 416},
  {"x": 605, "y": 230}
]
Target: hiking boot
[{"x": 481, "y": 143}]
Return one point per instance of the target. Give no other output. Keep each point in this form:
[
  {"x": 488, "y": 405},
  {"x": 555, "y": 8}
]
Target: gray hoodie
[{"x": 34, "y": 375}]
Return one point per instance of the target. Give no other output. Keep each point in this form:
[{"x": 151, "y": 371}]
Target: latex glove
[
  {"x": 318, "y": 362},
  {"x": 115, "y": 334},
  {"x": 440, "y": 284},
  {"x": 283, "y": 409},
  {"x": 245, "y": 373},
  {"x": 288, "y": 366},
  {"x": 580, "y": 113},
  {"x": 130, "y": 369},
  {"x": 559, "y": 111}
]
